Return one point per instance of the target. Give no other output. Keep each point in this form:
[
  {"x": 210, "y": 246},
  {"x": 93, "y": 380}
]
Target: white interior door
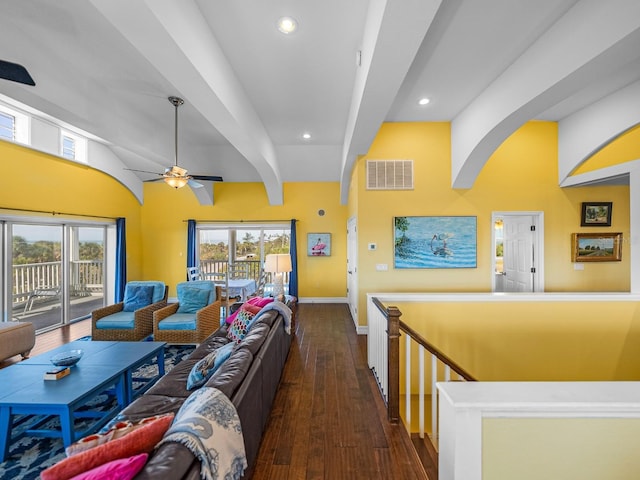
[
  {"x": 352, "y": 268},
  {"x": 520, "y": 259}
]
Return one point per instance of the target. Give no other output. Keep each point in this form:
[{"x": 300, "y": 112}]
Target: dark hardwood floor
[{"x": 328, "y": 420}]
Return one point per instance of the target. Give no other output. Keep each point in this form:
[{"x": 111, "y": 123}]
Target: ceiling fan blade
[
  {"x": 15, "y": 73},
  {"x": 194, "y": 184},
  {"x": 154, "y": 180},
  {"x": 208, "y": 178},
  {"x": 144, "y": 171}
]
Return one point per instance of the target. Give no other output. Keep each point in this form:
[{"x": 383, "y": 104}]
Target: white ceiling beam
[
  {"x": 586, "y": 44},
  {"x": 589, "y": 130},
  {"x": 393, "y": 32},
  {"x": 181, "y": 46}
]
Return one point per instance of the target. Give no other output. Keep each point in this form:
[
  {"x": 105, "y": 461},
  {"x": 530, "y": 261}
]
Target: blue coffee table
[{"x": 105, "y": 367}]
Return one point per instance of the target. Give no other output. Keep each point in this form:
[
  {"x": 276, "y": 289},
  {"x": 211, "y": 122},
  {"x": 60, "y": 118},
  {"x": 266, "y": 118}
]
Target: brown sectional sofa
[{"x": 249, "y": 378}]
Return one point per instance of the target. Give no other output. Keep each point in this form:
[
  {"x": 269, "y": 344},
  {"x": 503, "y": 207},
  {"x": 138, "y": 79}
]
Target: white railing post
[
  {"x": 421, "y": 389},
  {"x": 434, "y": 396},
  {"x": 407, "y": 381}
]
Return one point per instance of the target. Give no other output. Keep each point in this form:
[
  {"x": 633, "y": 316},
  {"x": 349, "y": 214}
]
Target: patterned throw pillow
[
  {"x": 241, "y": 325},
  {"x": 202, "y": 371}
]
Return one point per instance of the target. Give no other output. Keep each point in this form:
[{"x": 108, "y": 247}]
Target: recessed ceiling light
[
  {"x": 423, "y": 101},
  {"x": 306, "y": 135},
  {"x": 287, "y": 25}
]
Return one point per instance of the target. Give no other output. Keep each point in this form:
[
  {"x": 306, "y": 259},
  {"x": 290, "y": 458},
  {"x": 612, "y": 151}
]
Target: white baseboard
[{"x": 323, "y": 300}]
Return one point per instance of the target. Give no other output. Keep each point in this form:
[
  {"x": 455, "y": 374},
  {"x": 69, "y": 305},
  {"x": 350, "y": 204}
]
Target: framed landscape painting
[
  {"x": 596, "y": 247},
  {"x": 596, "y": 214},
  {"x": 435, "y": 242}
]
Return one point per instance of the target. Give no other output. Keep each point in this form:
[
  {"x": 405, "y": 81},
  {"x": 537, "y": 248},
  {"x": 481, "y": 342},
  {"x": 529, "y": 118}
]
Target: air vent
[{"x": 389, "y": 174}]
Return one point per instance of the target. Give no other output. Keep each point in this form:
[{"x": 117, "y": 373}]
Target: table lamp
[{"x": 278, "y": 263}]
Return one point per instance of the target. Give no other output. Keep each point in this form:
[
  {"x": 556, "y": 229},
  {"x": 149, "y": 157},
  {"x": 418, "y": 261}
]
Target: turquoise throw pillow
[
  {"x": 192, "y": 299},
  {"x": 202, "y": 371},
  {"x": 137, "y": 297}
]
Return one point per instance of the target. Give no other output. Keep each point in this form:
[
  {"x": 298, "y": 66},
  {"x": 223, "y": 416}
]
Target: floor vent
[{"x": 389, "y": 174}]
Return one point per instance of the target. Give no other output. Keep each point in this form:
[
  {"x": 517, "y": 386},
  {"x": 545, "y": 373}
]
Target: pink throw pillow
[
  {"x": 255, "y": 301},
  {"x": 121, "y": 469},
  {"x": 141, "y": 440}
]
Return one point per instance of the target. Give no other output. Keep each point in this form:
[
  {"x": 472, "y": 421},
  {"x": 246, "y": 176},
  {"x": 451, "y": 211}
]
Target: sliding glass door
[
  {"x": 52, "y": 273},
  {"x": 36, "y": 274}
]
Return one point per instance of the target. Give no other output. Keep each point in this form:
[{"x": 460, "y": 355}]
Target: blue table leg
[
  {"x": 5, "y": 432},
  {"x": 160, "y": 360},
  {"x": 66, "y": 426}
]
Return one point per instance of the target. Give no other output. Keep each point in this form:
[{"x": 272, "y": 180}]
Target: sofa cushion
[
  {"x": 174, "y": 384},
  {"x": 192, "y": 299},
  {"x": 178, "y": 321},
  {"x": 137, "y": 296},
  {"x": 147, "y": 405},
  {"x": 204, "y": 368},
  {"x": 232, "y": 373},
  {"x": 255, "y": 338},
  {"x": 118, "y": 320},
  {"x": 211, "y": 343}
]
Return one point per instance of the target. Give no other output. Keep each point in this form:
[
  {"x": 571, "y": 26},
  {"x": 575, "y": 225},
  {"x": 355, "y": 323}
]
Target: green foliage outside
[{"x": 43, "y": 251}]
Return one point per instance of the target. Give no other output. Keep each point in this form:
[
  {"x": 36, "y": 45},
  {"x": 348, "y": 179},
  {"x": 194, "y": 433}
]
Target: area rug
[{"x": 28, "y": 456}]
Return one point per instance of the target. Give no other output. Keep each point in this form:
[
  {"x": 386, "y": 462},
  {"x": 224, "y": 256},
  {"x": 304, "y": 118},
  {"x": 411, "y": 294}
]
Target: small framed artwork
[
  {"x": 596, "y": 214},
  {"x": 318, "y": 244},
  {"x": 596, "y": 247}
]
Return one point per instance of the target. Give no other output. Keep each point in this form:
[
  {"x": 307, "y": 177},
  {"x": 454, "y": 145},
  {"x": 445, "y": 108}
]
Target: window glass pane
[
  {"x": 213, "y": 250},
  {"x": 7, "y": 126},
  {"x": 36, "y": 256},
  {"x": 68, "y": 147},
  {"x": 86, "y": 270}
]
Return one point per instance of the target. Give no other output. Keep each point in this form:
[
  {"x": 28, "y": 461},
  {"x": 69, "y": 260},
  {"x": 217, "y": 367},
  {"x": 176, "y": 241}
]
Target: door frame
[
  {"x": 352, "y": 265},
  {"x": 538, "y": 246}
]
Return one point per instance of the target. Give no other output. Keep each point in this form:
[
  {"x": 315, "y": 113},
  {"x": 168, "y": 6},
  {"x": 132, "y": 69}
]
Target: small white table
[{"x": 242, "y": 287}]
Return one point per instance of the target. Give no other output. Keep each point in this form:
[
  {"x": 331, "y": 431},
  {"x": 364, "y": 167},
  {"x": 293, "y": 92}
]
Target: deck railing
[
  {"x": 254, "y": 267},
  {"x": 86, "y": 276}
]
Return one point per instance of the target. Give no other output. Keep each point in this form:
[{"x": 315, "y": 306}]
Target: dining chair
[
  {"x": 221, "y": 279},
  {"x": 193, "y": 274},
  {"x": 238, "y": 271}
]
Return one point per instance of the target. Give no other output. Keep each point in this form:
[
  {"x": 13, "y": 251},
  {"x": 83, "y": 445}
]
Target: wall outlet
[
  {"x": 578, "y": 266},
  {"x": 382, "y": 267}
]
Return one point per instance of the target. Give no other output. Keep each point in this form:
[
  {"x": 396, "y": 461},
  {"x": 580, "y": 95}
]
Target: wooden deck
[{"x": 328, "y": 420}]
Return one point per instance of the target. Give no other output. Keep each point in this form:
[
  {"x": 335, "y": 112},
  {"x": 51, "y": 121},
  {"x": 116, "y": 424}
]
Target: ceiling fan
[
  {"x": 176, "y": 176},
  {"x": 15, "y": 73}
]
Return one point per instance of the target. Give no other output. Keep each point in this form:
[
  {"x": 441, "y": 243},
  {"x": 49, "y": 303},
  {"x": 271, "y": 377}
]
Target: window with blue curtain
[{"x": 121, "y": 259}]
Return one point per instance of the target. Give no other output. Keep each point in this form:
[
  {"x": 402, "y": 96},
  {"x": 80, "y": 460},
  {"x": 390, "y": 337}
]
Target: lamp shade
[{"x": 277, "y": 263}]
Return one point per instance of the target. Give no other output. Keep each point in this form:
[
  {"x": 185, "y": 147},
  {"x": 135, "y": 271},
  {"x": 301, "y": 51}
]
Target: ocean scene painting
[{"x": 435, "y": 242}]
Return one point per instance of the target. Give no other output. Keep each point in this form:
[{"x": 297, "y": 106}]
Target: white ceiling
[{"x": 108, "y": 66}]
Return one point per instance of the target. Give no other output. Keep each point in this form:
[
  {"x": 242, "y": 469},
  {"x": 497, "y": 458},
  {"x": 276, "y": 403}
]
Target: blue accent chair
[
  {"x": 131, "y": 319},
  {"x": 193, "y": 318}
]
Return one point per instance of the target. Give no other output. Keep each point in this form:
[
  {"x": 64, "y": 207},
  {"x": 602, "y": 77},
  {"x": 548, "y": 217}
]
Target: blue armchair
[
  {"x": 131, "y": 319},
  {"x": 193, "y": 318}
]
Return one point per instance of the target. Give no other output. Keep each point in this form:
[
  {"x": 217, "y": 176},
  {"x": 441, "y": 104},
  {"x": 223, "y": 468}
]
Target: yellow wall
[
  {"x": 533, "y": 341},
  {"x": 520, "y": 176},
  {"x": 156, "y": 232},
  {"x": 165, "y": 231},
  {"x": 39, "y": 181},
  {"x": 560, "y": 448},
  {"x": 624, "y": 149}
]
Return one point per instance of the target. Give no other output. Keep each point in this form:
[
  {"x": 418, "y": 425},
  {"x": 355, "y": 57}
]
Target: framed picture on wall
[
  {"x": 596, "y": 247},
  {"x": 596, "y": 214},
  {"x": 435, "y": 242},
  {"x": 318, "y": 244}
]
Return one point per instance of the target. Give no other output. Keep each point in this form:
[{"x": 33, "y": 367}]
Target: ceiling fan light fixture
[
  {"x": 287, "y": 25},
  {"x": 176, "y": 182}
]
